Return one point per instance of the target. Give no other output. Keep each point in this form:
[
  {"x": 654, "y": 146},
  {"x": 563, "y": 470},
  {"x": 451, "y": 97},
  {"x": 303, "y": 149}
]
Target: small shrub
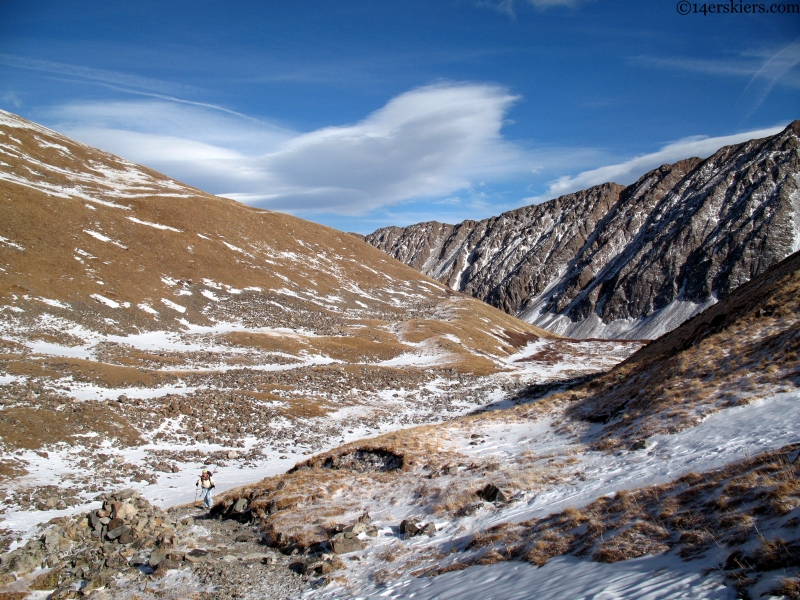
[{"x": 790, "y": 588}]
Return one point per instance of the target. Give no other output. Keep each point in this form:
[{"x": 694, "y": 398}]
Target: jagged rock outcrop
[{"x": 615, "y": 261}]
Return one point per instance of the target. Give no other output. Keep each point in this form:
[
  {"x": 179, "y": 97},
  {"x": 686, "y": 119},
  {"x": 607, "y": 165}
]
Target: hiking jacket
[{"x": 205, "y": 483}]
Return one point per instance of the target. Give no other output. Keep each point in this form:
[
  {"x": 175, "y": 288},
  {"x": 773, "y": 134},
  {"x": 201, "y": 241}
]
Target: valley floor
[{"x": 176, "y": 393}]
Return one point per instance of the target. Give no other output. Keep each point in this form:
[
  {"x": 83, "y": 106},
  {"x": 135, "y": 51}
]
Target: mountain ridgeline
[{"x": 624, "y": 262}]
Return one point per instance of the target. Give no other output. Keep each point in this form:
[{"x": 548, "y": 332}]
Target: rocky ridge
[{"x": 628, "y": 262}]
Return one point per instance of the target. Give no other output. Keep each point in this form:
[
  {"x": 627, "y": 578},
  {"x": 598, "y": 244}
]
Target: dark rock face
[{"x": 615, "y": 261}]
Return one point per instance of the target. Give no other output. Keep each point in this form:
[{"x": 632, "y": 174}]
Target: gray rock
[
  {"x": 344, "y": 545},
  {"x": 428, "y": 529},
  {"x": 164, "y": 566},
  {"x": 117, "y": 532},
  {"x": 409, "y": 528},
  {"x": 52, "y": 539},
  {"x": 197, "y": 556},
  {"x": 156, "y": 556},
  {"x": 492, "y": 493}
]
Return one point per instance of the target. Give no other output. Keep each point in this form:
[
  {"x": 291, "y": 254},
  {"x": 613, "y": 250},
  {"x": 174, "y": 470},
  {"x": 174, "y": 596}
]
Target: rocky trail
[{"x": 128, "y": 548}]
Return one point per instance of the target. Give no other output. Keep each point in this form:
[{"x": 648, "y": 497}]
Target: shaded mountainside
[{"x": 633, "y": 261}]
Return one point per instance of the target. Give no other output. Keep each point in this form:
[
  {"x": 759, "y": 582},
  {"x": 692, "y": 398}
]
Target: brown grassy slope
[{"x": 53, "y": 190}]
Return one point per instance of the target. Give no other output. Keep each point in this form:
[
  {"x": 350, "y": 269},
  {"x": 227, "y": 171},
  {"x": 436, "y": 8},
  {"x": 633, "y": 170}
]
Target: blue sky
[{"x": 365, "y": 114}]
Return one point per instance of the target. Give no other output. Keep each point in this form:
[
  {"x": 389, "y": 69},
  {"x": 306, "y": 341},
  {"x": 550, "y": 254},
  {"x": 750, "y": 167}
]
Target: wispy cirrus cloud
[
  {"x": 764, "y": 69},
  {"x": 115, "y": 80},
  {"x": 774, "y": 70},
  {"x": 630, "y": 170},
  {"x": 98, "y": 75}
]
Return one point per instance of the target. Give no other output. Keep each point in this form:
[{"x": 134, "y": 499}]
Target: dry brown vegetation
[
  {"x": 27, "y": 428},
  {"x": 732, "y": 508},
  {"x": 683, "y": 514},
  {"x": 298, "y": 510}
]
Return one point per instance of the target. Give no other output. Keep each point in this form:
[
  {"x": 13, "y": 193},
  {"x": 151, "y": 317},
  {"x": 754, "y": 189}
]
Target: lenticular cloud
[{"x": 428, "y": 142}]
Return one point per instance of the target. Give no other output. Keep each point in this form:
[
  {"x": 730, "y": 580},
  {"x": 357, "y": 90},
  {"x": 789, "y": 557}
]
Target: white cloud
[
  {"x": 774, "y": 70},
  {"x": 192, "y": 122},
  {"x": 431, "y": 141},
  {"x": 427, "y": 142},
  {"x": 201, "y": 146},
  {"x": 629, "y": 171}
]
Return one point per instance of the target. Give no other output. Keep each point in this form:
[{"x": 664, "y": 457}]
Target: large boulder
[{"x": 344, "y": 543}]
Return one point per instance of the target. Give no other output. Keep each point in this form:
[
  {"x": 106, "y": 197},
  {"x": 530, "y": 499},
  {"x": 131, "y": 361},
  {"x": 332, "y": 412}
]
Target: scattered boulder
[
  {"x": 197, "y": 555},
  {"x": 492, "y": 493},
  {"x": 639, "y": 445},
  {"x": 324, "y": 565},
  {"x": 409, "y": 528},
  {"x": 428, "y": 529},
  {"x": 412, "y": 529},
  {"x": 164, "y": 566},
  {"x": 117, "y": 532},
  {"x": 345, "y": 545},
  {"x": 156, "y": 556},
  {"x": 361, "y": 527}
]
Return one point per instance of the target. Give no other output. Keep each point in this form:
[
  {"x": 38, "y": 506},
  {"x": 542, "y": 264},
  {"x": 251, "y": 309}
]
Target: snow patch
[
  {"x": 53, "y": 303},
  {"x": 657, "y": 577},
  {"x": 647, "y": 328},
  {"x": 146, "y": 308},
  {"x": 104, "y": 300},
  {"x": 10, "y": 244},
  {"x": 99, "y": 236},
  {"x": 173, "y": 306},
  {"x": 156, "y": 225}
]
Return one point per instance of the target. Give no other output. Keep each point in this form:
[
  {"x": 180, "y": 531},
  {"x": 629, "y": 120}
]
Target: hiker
[{"x": 206, "y": 484}]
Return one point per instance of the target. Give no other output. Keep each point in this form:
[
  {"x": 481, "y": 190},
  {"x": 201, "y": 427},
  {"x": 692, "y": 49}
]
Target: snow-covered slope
[{"x": 629, "y": 262}]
